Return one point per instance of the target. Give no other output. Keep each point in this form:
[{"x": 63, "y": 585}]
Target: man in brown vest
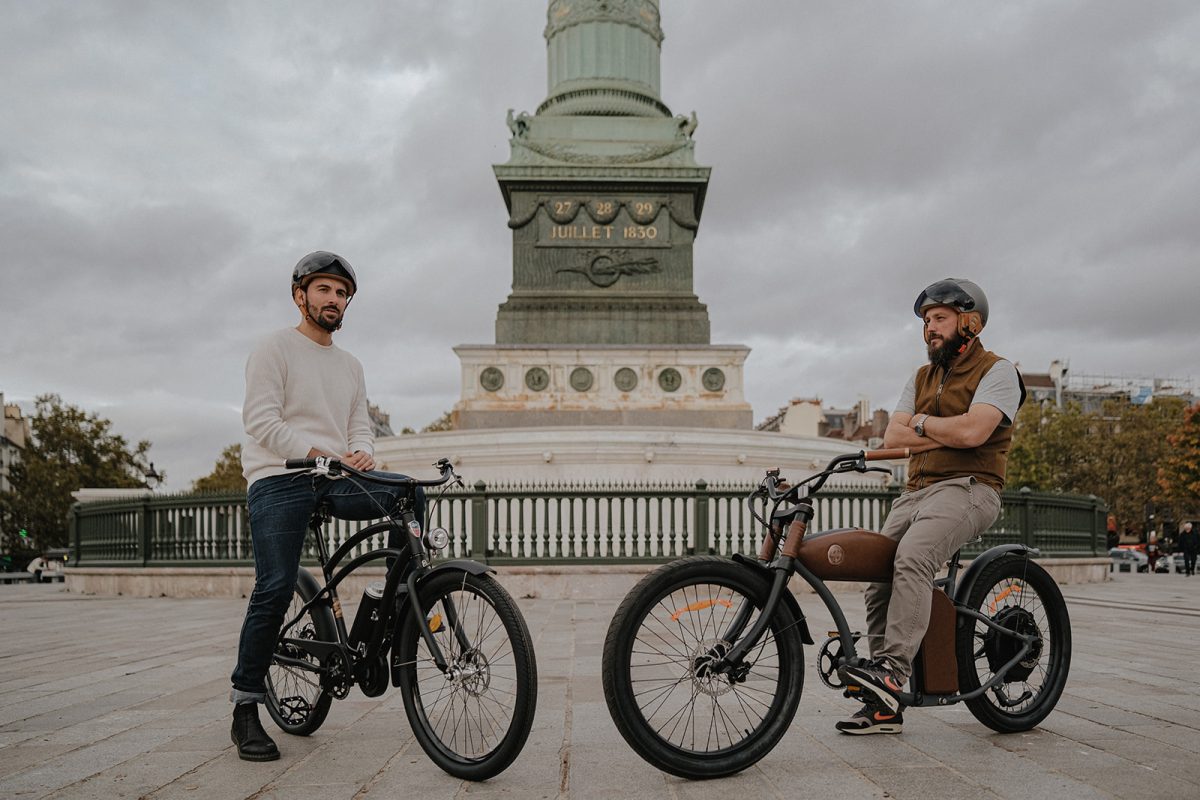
[{"x": 955, "y": 415}]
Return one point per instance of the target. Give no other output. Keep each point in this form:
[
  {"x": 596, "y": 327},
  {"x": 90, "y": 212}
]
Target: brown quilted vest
[{"x": 942, "y": 393}]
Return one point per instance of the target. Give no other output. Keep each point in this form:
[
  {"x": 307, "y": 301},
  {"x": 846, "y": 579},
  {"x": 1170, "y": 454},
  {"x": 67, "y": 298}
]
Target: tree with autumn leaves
[
  {"x": 71, "y": 449},
  {"x": 1179, "y": 471},
  {"x": 1132, "y": 456}
]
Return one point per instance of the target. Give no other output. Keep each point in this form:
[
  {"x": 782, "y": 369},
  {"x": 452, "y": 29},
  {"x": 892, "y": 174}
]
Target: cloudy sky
[{"x": 163, "y": 165}]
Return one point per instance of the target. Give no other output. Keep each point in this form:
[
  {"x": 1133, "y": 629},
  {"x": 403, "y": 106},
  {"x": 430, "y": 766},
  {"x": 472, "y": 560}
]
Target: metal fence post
[
  {"x": 700, "y": 515},
  {"x": 1096, "y": 525},
  {"x": 1026, "y": 516},
  {"x": 73, "y": 533},
  {"x": 479, "y": 523},
  {"x": 144, "y": 538}
]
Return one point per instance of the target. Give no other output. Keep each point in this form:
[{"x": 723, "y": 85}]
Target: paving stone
[{"x": 132, "y": 714}]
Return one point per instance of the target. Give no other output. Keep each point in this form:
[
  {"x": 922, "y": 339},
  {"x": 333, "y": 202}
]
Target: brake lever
[{"x": 327, "y": 466}]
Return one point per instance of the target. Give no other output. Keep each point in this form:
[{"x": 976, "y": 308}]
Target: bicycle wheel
[
  {"x": 473, "y": 719},
  {"x": 295, "y": 699},
  {"x": 673, "y": 714},
  {"x": 1019, "y": 595}
]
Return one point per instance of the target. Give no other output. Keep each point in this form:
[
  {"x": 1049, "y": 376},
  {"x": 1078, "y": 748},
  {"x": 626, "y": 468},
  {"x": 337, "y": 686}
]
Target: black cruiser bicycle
[
  {"x": 447, "y": 634},
  {"x": 703, "y": 662}
]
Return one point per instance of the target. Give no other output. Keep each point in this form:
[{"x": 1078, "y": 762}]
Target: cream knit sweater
[{"x": 301, "y": 395}]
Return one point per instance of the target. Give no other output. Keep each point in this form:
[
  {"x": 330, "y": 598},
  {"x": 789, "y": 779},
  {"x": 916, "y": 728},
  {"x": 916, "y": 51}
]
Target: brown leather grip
[
  {"x": 892, "y": 454},
  {"x": 770, "y": 543},
  {"x": 795, "y": 536}
]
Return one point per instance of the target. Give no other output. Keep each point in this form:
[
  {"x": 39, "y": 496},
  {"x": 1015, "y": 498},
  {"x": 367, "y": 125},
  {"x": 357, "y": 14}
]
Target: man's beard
[
  {"x": 944, "y": 355},
  {"x": 318, "y": 318}
]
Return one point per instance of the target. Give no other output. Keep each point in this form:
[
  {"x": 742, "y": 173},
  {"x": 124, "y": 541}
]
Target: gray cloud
[{"x": 163, "y": 165}]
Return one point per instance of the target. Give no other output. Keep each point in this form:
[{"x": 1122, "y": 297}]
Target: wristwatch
[{"x": 919, "y": 427}]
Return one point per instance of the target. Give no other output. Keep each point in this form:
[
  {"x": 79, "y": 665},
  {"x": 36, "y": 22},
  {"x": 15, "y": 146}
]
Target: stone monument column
[{"x": 603, "y": 326}]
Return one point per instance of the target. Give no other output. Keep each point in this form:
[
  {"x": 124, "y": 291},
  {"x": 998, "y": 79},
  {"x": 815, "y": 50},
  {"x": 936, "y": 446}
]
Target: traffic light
[{"x": 24, "y": 533}]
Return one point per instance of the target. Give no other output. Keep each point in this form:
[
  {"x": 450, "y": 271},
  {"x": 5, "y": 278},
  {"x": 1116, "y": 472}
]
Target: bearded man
[{"x": 955, "y": 416}]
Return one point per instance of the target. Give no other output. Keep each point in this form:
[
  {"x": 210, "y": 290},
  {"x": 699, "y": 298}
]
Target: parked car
[{"x": 1127, "y": 560}]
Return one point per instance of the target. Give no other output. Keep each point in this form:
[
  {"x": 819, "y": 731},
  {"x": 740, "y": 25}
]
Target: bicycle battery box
[
  {"x": 849, "y": 554},
  {"x": 935, "y": 669}
]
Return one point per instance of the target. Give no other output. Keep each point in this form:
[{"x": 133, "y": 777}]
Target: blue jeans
[{"x": 280, "y": 508}]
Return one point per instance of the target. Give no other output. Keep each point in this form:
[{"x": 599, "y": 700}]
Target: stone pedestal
[{"x": 515, "y": 386}]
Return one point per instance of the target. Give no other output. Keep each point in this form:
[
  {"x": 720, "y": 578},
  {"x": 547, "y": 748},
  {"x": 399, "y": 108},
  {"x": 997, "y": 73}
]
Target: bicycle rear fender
[
  {"x": 309, "y": 582},
  {"x": 787, "y": 596},
  {"x": 971, "y": 574}
]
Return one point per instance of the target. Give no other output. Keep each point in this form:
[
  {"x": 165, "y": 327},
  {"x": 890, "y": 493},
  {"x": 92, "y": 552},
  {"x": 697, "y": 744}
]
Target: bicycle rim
[
  {"x": 468, "y": 711},
  {"x": 688, "y": 708}
]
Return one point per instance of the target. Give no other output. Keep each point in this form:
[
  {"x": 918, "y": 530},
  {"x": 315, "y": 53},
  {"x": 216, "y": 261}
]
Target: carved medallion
[
  {"x": 625, "y": 379},
  {"x": 491, "y": 379},
  {"x": 581, "y": 379},
  {"x": 713, "y": 379},
  {"x": 835, "y": 554},
  {"x": 670, "y": 380},
  {"x": 537, "y": 379}
]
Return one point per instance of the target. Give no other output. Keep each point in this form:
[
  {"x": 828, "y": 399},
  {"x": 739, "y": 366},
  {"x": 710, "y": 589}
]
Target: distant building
[
  {"x": 806, "y": 417},
  {"x": 1060, "y": 387},
  {"x": 15, "y": 437},
  {"x": 381, "y": 422}
]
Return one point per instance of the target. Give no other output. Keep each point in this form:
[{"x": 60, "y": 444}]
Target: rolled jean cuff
[{"x": 238, "y": 696}]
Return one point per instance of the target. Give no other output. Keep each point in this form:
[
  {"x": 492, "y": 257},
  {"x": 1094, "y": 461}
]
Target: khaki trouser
[{"x": 929, "y": 525}]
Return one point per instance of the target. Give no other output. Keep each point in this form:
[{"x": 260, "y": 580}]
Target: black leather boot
[{"x": 252, "y": 741}]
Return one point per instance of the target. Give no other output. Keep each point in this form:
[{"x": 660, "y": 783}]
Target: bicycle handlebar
[{"x": 333, "y": 466}]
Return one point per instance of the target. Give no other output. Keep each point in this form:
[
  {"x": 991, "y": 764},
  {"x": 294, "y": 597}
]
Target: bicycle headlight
[{"x": 437, "y": 538}]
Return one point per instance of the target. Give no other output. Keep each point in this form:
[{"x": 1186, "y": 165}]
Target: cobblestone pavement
[{"x": 114, "y": 697}]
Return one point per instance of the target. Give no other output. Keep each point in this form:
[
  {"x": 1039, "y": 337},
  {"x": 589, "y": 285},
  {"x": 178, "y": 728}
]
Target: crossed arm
[{"x": 963, "y": 431}]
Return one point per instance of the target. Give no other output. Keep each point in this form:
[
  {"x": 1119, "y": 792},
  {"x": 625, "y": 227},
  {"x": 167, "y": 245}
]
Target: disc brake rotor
[
  {"x": 471, "y": 672},
  {"x": 704, "y": 679}
]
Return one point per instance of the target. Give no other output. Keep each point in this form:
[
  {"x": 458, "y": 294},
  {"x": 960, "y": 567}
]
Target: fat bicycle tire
[
  {"x": 295, "y": 699},
  {"x": 473, "y": 720},
  {"x": 656, "y": 644},
  {"x": 1019, "y": 594}
]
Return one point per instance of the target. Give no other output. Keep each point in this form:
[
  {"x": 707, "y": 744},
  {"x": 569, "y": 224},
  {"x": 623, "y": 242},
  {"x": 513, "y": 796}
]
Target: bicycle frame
[
  {"x": 779, "y": 554},
  {"x": 408, "y": 566}
]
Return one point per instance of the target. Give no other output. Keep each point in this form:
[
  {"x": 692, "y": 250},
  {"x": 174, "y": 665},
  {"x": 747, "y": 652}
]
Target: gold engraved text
[
  {"x": 640, "y": 232},
  {"x": 581, "y": 232}
]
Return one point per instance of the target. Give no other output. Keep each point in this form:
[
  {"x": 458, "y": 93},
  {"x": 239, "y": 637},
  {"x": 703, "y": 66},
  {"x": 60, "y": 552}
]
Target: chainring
[
  {"x": 335, "y": 676},
  {"x": 828, "y": 659}
]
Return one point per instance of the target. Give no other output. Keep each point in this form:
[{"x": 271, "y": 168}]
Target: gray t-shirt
[{"x": 999, "y": 388}]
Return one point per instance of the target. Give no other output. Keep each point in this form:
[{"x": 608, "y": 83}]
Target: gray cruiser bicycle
[
  {"x": 703, "y": 662},
  {"x": 447, "y": 634}
]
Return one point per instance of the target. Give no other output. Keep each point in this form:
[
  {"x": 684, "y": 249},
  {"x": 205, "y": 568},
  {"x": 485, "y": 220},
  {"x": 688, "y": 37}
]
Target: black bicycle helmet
[
  {"x": 322, "y": 262},
  {"x": 963, "y": 296}
]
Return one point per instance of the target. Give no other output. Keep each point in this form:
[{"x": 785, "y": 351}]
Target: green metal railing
[{"x": 563, "y": 524}]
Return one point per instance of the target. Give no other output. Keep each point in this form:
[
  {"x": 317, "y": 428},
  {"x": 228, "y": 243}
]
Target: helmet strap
[{"x": 969, "y": 326}]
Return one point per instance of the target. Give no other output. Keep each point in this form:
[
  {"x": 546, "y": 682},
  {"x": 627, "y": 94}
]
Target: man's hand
[
  {"x": 899, "y": 433},
  {"x": 966, "y": 430},
  {"x": 360, "y": 460}
]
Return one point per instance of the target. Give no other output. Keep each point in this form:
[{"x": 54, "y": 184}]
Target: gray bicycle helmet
[
  {"x": 322, "y": 262},
  {"x": 963, "y": 296}
]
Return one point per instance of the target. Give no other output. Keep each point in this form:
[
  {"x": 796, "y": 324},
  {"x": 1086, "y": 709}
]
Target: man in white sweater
[{"x": 305, "y": 397}]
